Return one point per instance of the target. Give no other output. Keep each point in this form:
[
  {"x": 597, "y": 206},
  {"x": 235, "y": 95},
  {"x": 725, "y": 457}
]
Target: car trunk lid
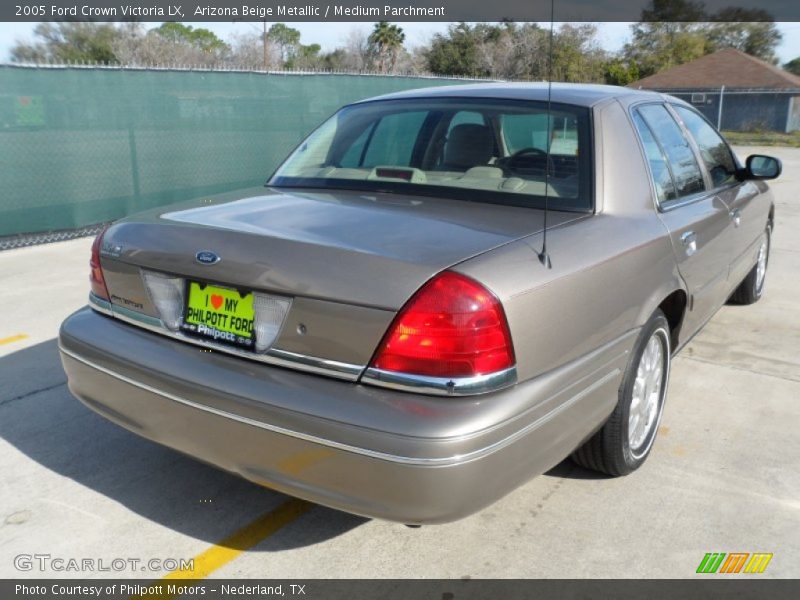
[{"x": 354, "y": 248}]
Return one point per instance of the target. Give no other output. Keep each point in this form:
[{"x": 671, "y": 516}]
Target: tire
[
  {"x": 752, "y": 287},
  {"x": 623, "y": 443}
]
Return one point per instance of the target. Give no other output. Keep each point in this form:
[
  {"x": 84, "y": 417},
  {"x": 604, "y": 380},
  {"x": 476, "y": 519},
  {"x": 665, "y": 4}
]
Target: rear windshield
[{"x": 501, "y": 151}]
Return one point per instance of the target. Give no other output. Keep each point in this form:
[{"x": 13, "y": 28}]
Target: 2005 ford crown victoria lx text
[{"x": 379, "y": 329}]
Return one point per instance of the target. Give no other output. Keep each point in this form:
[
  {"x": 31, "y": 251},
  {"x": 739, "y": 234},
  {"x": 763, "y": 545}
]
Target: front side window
[
  {"x": 496, "y": 151},
  {"x": 713, "y": 149},
  {"x": 686, "y": 173}
]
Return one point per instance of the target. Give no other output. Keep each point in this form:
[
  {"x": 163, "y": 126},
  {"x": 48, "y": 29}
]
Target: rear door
[
  {"x": 696, "y": 218},
  {"x": 747, "y": 219}
]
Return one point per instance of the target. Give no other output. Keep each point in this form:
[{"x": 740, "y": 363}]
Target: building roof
[
  {"x": 729, "y": 67},
  {"x": 567, "y": 93}
]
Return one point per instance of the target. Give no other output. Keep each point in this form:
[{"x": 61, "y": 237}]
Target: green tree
[
  {"x": 386, "y": 43},
  {"x": 673, "y": 12},
  {"x": 658, "y": 46},
  {"x": 793, "y": 66},
  {"x": 672, "y": 32},
  {"x": 335, "y": 60},
  {"x": 506, "y": 50},
  {"x": 577, "y": 56},
  {"x": 200, "y": 38},
  {"x": 69, "y": 42},
  {"x": 286, "y": 39},
  {"x": 621, "y": 72},
  {"x": 306, "y": 57},
  {"x": 749, "y": 30},
  {"x": 668, "y": 35},
  {"x": 518, "y": 51},
  {"x": 455, "y": 53}
]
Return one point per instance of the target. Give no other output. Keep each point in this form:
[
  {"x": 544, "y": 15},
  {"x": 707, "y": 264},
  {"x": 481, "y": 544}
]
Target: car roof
[{"x": 566, "y": 93}]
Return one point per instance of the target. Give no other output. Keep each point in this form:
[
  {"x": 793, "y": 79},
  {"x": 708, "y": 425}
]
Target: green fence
[{"x": 80, "y": 146}]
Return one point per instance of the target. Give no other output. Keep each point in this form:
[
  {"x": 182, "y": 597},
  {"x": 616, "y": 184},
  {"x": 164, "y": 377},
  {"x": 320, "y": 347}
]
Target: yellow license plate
[{"x": 219, "y": 313}]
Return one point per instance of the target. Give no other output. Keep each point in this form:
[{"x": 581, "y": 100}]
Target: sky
[{"x": 612, "y": 36}]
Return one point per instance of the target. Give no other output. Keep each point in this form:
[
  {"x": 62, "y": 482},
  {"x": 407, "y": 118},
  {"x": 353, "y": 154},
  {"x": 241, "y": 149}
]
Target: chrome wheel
[
  {"x": 624, "y": 441},
  {"x": 648, "y": 393},
  {"x": 761, "y": 266}
]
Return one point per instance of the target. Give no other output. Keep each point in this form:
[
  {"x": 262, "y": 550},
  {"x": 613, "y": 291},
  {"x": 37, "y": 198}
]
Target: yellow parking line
[
  {"x": 13, "y": 338},
  {"x": 242, "y": 540}
]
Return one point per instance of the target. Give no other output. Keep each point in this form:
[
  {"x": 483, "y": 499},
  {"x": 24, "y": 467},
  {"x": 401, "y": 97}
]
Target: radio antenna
[{"x": 544, "y": 257}]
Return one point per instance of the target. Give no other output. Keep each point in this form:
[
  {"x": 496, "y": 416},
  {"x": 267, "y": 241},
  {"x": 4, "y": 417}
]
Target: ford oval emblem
[{"x": 206, "y": 257}]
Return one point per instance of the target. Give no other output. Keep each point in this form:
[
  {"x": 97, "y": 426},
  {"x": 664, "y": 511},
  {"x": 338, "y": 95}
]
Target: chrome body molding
[
  {"x": 273, "y": 356},
  {"x": 313, "y": 364},
  {"x": 438, "y": 386},
  {"x": 406, "y": 460},
  {"x": 100, "y": 305},
  {"x": 442, "y": 386}
]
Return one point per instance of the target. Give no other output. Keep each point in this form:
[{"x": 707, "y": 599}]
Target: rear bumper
[{"x": 365, "y": 450}]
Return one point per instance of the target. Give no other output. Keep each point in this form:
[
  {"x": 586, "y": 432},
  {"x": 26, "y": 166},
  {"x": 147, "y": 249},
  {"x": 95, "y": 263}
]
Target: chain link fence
[
  {"x": 86, "y": 145},
  {"x": 749, "y": 110}
]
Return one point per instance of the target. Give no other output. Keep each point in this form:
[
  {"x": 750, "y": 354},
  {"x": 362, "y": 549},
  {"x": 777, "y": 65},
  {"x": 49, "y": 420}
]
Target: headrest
[{"x": 468, "y": 145}]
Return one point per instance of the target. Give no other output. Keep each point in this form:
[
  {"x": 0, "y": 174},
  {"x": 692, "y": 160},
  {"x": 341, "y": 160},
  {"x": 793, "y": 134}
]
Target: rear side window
[
  {"x": 533, "y": 131},
  {"x": 393, "y": 140},
  {"x": 665, "y": 187},
  {"x": 715, "y": 152},
  {"x": 353, "y": 157},
  {"x": 686, "y": 173},
  {"x": 525, "y": 131}
]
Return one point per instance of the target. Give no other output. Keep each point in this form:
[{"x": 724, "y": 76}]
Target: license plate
[{"x": 219, "y": 313}]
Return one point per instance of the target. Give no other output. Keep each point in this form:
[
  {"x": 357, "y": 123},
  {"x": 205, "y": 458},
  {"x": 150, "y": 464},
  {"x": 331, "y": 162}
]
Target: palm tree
[{"x": 386, "y": 41}]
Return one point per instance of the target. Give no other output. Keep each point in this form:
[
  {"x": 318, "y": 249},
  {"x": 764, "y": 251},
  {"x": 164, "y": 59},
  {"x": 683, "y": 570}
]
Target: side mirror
[{"x": 759, "y": 166}]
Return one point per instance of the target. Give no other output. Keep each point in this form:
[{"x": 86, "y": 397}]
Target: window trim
[
  {"x": 647, "y": 160},
  {"x": 698, "y": 156},
  {"x": 363, "y": 155},
  {"x": 678, "y": 202},
  {"x": 671, "y": 106}
]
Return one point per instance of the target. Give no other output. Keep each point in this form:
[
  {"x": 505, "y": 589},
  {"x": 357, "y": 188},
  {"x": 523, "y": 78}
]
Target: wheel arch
[
  {"x": 672, "y": 298},
  {"x": 674, "y": 308}
]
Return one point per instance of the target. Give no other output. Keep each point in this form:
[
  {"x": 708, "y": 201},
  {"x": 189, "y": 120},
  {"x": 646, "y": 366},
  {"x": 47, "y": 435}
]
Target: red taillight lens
[
  {"x": 452, "y": 327},
  {"x": 96, "y": 275}
]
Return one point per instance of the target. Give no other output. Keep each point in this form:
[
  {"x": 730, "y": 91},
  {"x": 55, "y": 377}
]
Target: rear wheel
[
  {"x": 752, "y": 287},
  {"x": 624, "y": 442}
]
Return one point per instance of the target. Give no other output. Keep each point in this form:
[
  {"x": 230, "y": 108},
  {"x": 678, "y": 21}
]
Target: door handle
[
  {"x": 736, "y": 216},
  {"x": 689, "y": 239}
]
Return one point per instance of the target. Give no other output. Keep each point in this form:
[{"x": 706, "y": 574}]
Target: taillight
[
  {"x": 452, "y": 327},
  {"x": 96, "y": 275}
]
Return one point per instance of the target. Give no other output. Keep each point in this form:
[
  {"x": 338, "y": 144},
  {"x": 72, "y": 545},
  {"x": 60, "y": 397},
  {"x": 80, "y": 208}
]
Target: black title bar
[
  {"x": 395, "y": 10},
  {"x": 393, "y": 589}
]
